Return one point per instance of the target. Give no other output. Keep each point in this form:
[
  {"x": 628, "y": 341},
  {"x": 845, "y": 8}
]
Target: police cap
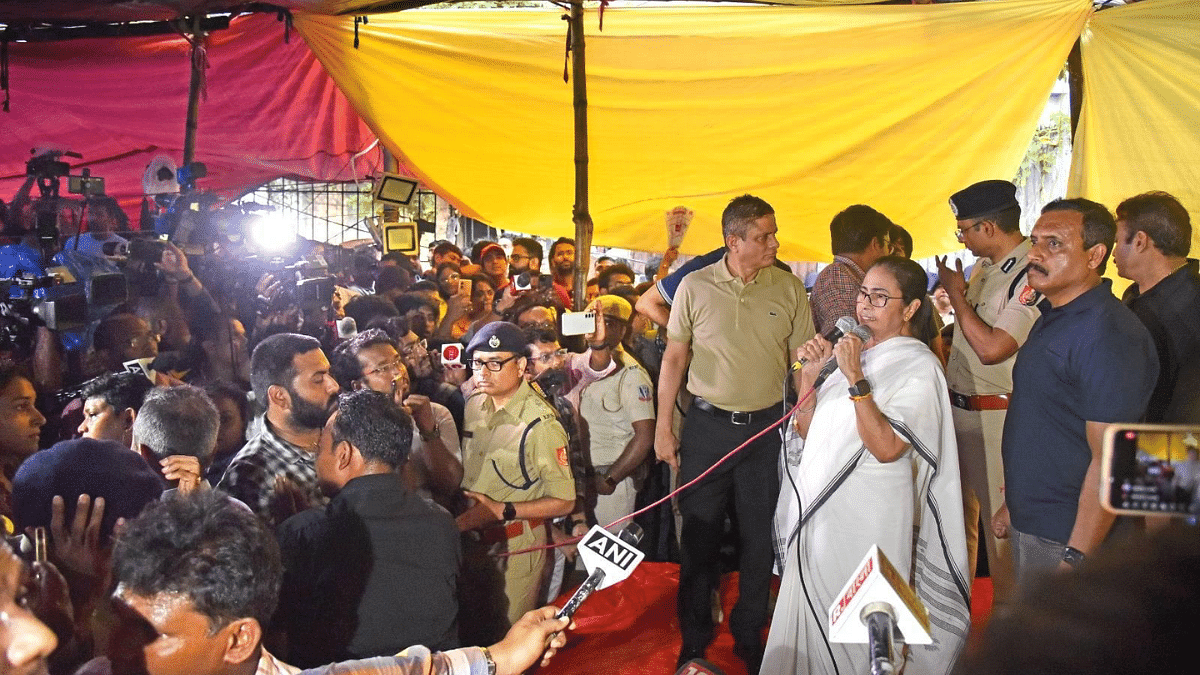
[
  {"x": 983, "y": 198},
  {"x": 499, "y": 336}
]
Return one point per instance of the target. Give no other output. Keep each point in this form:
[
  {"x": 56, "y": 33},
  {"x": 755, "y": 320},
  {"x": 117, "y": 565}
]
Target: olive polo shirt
[{"x": 743, "y": 336}]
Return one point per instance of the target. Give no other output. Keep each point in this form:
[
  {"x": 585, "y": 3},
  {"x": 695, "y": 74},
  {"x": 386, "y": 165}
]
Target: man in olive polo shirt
[
  {"x": 515, "y": 466},
  {"x": 740, "y": 322}
]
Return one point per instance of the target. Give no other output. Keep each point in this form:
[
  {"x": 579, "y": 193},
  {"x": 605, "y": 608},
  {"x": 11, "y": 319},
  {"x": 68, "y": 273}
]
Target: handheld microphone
[
  {"x": 873, "y": 606},
  {"x": 862, "y": 333},
  {"x": 844, "y": 325},
  {"x": 608, "y": 559}
]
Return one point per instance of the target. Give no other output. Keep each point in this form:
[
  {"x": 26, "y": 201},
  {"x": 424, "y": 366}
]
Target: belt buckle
[{"x": 741, "y": 419}]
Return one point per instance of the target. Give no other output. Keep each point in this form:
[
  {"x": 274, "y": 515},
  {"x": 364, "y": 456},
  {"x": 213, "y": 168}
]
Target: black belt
[{"x": 736, "y": 417}]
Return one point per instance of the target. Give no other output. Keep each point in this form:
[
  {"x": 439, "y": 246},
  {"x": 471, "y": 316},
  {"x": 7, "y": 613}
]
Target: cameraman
[{"x": 104, "y": 218}]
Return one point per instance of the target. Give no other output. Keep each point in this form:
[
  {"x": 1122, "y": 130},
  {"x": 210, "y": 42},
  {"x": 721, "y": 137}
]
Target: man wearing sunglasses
[{"x": 516, "y": 475}]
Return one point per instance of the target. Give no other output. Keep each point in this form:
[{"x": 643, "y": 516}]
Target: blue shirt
[
  {"x": 1089, "y": 360},
  {"x": 670, "y": 283}
]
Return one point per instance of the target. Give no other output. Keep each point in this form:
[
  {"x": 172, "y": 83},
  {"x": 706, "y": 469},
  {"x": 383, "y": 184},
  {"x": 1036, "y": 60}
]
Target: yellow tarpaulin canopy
[
  {"x": 1141, "y": 110},
  {"x": 812, "y": 109}
]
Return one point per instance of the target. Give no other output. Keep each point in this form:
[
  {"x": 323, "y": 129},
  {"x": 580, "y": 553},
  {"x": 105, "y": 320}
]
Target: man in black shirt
[
  {"x": 376, "y": 570},
  {"x": 1154, "y": 236}
]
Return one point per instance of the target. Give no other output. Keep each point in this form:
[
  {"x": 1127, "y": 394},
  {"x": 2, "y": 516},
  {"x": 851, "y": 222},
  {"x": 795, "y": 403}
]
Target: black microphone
[
  {"x": 631, "y": 535},
  {"x": 698, "y": 667},
  {"x": 844, "y": 325},
  {"x": 862, "y": 333}
]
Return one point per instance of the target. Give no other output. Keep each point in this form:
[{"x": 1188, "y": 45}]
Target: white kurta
[{"x": 911, "y": 507}]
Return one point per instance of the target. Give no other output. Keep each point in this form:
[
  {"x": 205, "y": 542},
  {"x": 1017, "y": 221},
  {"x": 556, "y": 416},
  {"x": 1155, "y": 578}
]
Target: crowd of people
[{"x": 224, "y": 475}]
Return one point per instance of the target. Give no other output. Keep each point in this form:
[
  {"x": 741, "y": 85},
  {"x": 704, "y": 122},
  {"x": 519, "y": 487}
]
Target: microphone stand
[{"x": 880, "y": 621}]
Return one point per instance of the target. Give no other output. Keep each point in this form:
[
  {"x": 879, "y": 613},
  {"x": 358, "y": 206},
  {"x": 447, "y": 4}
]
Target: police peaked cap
[
  {"x": 499, "y": 336},
  {"x": 983, "y": 198}
]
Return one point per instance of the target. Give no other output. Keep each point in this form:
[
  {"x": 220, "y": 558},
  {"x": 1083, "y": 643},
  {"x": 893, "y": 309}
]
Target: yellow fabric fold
[
  {"x": 812, "y": 109},
  {"x": 1141, "y": 106}
]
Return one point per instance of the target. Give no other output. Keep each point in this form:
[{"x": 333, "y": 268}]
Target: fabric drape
[
  {"x": 1141, "y": 105},
  {"x": 812, "y": 109}
]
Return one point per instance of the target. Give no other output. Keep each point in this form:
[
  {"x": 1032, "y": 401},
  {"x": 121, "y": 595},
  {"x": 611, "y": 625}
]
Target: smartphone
[
  {"x": 464, "y": 288},
  {"x": 522, "y": 282},
  {"x": 1151, "y": 469},
  {"x": 578, "y": 323},
  {"x": 452, "y": 355}
]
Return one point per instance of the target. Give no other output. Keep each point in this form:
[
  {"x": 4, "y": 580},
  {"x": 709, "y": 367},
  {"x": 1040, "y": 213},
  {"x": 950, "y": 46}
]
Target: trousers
[{"x": 750, "y": 482}]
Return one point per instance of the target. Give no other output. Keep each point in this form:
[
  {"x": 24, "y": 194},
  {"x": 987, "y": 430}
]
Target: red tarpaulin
[{"x": 271, "y": 110}]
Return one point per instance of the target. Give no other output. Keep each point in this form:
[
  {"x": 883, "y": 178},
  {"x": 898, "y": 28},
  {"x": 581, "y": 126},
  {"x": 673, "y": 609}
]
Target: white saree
[{"x": 911, "y": 507}]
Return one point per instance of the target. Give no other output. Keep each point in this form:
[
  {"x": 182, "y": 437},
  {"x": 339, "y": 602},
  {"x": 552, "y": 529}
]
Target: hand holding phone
[{"x": 579, "y": 323}]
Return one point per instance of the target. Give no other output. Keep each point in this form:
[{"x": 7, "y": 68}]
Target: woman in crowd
[
  {"x": 877, "y": 466},
  {"x": 483, "y": 296}
]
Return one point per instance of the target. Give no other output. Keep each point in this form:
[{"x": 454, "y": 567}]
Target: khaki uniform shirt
[
  {"x": 611, "y": 405},
  {"x": 517, "y": 453},
  {"x": 743, "y": 336},
  {"x": 1003, "y": 299}
]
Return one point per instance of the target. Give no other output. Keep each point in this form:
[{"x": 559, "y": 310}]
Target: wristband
[
  {"x": 429, "y": 435},
  {"x": 510, "y": 511},
  {"x": 598, "y": 347},
  {"x": 491, "y": 663}
]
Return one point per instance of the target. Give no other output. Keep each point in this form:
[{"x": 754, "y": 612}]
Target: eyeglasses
[
  {"x": 413, "y": 347},
  {"x": 548, "y": 357},
  {"x": 145, "y": 338},
  {"x": 389, "y": 368},
  {"x": 961, "y": 232},
  {"x": 493, "y": 366},
  {"x": 877, "y": 299},
  {"x": 517, "y": 257}
]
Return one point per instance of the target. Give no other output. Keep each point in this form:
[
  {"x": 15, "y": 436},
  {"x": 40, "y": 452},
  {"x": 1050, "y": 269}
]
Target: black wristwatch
[
  {"x": 860, "y": 389},
  {"x": 510, "y": 511},
  {"x": 1072, "y": 556}
]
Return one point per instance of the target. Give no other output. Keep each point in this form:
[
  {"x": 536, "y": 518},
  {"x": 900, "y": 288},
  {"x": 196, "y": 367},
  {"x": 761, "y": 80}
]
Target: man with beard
[
  {"x": 371, "y": 361},
  {"x": 426, "y": 375},
  {"x": 562, "y": 266},
  {"x": 290, "y": 376}
]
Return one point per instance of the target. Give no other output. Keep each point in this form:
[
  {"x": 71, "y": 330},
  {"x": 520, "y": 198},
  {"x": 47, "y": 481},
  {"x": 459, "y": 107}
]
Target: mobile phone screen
[{"x": 1152, "y": 469}]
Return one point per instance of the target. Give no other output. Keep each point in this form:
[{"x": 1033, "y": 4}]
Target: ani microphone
[{"x": 608, "y": 558}]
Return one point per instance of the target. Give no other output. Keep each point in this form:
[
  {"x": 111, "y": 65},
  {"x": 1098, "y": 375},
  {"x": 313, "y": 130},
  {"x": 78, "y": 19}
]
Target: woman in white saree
[{"x": 879, "y": 466}]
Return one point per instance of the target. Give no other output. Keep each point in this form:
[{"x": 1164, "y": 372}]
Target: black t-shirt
[
  {"x": 1170, "y": 310},
  {"x": 1089, "y": 360},
  {"x": 371, "y": 574}
]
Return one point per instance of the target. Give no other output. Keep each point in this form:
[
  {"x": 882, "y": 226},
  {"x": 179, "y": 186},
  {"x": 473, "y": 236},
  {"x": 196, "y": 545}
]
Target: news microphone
[
  {"x": 698, "y": 667},
  {"x": 844, "y": 325},
  {"x": 608, "y": 558},
  {"x": 872, "y": 606},
  {"x": 862, "y": 333}
]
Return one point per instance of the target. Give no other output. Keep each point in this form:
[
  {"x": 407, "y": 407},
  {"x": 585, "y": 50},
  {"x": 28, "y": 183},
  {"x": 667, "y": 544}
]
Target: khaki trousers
[{"x": 978, "y": 434}]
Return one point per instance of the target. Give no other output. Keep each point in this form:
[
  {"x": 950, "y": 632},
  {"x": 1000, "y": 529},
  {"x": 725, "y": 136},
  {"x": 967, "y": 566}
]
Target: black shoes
[
  {"x": 751, "y": 654},
  {"x": 687, "y": 654}
]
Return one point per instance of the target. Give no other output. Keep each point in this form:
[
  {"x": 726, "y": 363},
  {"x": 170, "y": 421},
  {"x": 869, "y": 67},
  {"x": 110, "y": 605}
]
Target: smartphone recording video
[
  {"x": 578, "y": 323},
  {"x": 1151, "y": 469}
]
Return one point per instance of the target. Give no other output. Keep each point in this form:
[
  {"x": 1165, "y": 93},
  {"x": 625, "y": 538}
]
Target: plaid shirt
[
  {"x": 252, "y": 472},
  {"x": 835, "y": 293},
  {"x": 269, "y": 665}
]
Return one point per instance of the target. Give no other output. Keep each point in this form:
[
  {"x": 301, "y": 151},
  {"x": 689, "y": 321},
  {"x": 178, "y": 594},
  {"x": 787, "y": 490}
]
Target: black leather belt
[{"x": 736, "y": 417}]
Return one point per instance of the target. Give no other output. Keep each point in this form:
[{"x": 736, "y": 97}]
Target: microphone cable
[
  {"x": 677, "y": 490},
  {"x": 799, "y": 523}
]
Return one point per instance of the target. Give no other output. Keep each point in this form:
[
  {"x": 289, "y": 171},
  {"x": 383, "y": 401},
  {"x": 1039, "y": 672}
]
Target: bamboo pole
[
  {"x": 193, "y": 109},
  {"x": 580, "y": 214}
]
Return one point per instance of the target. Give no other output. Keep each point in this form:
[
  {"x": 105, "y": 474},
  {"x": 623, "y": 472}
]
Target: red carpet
[{"x": 631, "y": 627}]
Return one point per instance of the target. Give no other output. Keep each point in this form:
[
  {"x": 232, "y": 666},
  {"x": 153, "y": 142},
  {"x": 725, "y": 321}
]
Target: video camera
[{"x": 63, "y": 304}]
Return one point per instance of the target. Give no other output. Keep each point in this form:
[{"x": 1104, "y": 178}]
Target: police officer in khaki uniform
[
  {"x": 516, "y": 471},
  {"x": 993, "y": 316}
]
